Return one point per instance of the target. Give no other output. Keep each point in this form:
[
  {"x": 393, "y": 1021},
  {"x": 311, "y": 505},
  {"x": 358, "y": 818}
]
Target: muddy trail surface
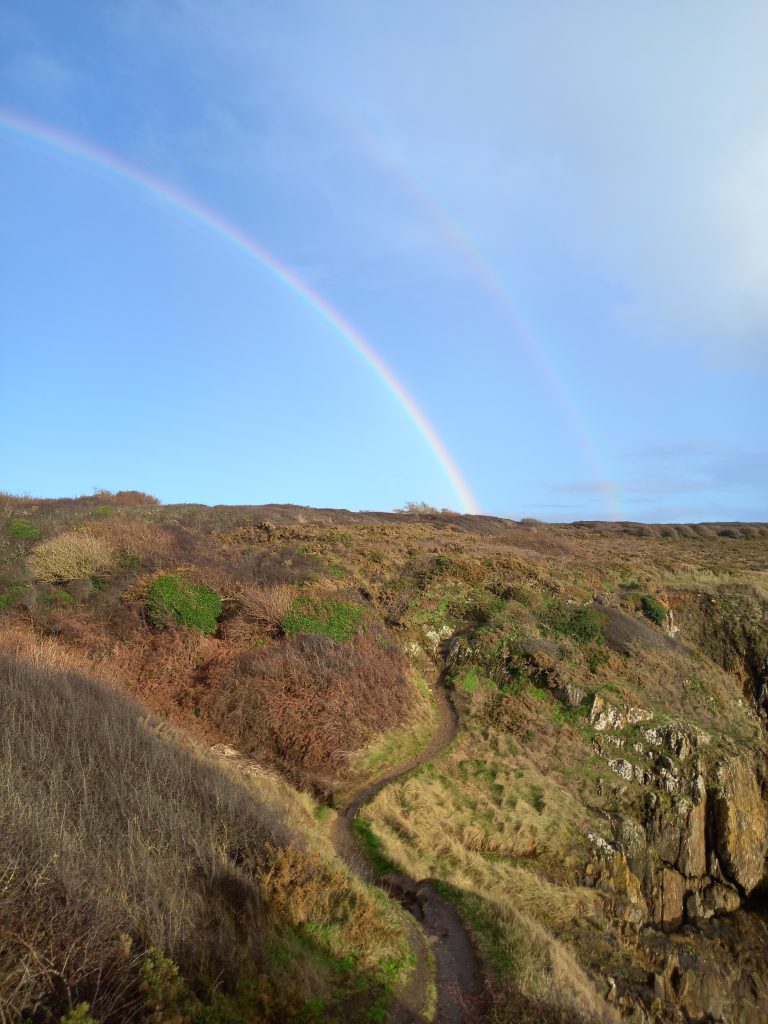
[{"x": 456, "y": 968}]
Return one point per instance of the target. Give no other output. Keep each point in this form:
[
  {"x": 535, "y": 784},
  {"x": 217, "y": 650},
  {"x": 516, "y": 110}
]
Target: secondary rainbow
[
  {"x": 457, "y": 239},
  {"x": 80, "y": 149}
]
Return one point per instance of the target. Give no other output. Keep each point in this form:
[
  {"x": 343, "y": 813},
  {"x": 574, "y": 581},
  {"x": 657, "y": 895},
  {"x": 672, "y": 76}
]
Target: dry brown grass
[
  {"x": 43, "y": 652},
  {"x": 256, "y": 612},
  {"x": 10, "y": 504},
  {"x": 546, "y": 984},
  {"x": 143, "y": 538},
  {"x": 114, "y": 839},
  {"x": 72, "y": 556},
  {"x": 109, "y": 828}
]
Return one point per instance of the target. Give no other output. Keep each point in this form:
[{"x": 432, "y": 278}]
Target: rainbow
[
  {"x": 457, "y": 240},
  {"x": 53, "y": 138}
]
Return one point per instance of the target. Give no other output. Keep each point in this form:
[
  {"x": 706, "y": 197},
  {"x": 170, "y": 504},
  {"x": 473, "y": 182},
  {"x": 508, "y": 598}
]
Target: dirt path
[{"x": 458, "y": 977}]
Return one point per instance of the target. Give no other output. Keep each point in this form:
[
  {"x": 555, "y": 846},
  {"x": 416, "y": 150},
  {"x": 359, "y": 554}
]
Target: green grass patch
[
  {"x": 22, "y": 530},
  {"x": 372, "y": 847},
  {"x": 189, "y": 604},
  {"x": 469, "y": 680},
  {"x": 6, "y": 599},
  {"x": 567, "y": 715},
  {"x": 399, "y": 745},
  {"x": 59, "y": 598},
  {"x": 323, "y": 813},
  {"x": 339, "y": 620}
]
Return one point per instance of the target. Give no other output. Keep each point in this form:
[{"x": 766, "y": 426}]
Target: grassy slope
[
  {"x": 141, "y": 879},
  {"x": 501, "y": 817}
]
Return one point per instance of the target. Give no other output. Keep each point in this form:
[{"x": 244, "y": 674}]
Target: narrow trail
[{"x": 458, "y": 975}]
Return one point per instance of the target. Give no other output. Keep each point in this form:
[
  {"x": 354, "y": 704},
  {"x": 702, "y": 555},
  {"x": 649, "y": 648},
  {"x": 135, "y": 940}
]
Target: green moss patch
[{"x": 189, "y": 604}]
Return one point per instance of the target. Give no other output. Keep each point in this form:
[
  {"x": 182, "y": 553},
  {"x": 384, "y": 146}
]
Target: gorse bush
[
  {"x": 172, "y": 597},
  {"x": 72, "y": 556},
  {"x": 339, "y": 620}
]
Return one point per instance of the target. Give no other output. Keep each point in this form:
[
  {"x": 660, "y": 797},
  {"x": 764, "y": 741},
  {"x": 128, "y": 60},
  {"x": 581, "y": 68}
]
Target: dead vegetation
[
  {"x": 109, "y": 830},
  {"x": 307, "y": 703},
  {"x": 116, "y": 842},
  {"x": 72, "y": 556}
]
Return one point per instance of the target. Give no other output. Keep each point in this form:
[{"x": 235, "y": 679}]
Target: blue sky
[{"x": 550, "y": 220}]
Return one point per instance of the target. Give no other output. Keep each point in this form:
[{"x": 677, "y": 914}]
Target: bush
[
  {"x": 418, "y": 508},
  {"x": 339, "y": 620},
  {"x": 305, "y": 702},
  {"x": 23, "y": 531},
  {"x": 653, "y": 609},
  {"x": 185, "y": 602},
  {"x": 584, "y": 625},
  {"x": 260, "y": 613},
  {"x": 72, "y": 556},
  {"x": 131, "y": 498}
]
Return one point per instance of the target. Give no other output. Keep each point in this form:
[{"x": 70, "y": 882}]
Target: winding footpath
[{"x": 457, "y": 973}]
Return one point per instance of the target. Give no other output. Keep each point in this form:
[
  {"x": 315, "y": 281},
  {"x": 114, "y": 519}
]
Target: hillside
[{"x": 196, "y": 695}]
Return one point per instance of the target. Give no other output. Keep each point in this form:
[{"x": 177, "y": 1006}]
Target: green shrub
[
  {"x": 584, "y": 625},
  {"x": 163, "y": 988},
  {"x": 187, "y": 603},
  {"x": 340, "y": 620},
  {"x": 653, "y": 609},
  {"x": 81, "y": 1014},
  {"x": 23, "y": 531}
]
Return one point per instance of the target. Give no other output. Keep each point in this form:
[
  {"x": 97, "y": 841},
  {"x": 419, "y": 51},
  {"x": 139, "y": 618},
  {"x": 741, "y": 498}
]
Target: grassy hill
[{"x": 191, "y": 691}]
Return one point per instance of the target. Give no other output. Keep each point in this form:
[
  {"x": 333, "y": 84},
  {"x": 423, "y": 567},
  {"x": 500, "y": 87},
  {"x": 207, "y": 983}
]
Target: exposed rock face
[
  {"x": 676, "y": 876},
  {"x": 605, "y": 715},
  {"x": 667, "y": 906},
  {"x": 740, "y": 825},
  {"x": 712, "y": 828}
]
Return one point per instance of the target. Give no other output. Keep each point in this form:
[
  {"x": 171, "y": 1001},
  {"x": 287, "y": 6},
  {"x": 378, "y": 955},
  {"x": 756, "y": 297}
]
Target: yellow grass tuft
[{"x": 72, "y": 556}]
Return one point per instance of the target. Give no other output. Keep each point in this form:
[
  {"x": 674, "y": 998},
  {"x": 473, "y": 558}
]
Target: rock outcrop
[
  {"x": 684, "y": 866},
  {"x": 739, "y": 824}
]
